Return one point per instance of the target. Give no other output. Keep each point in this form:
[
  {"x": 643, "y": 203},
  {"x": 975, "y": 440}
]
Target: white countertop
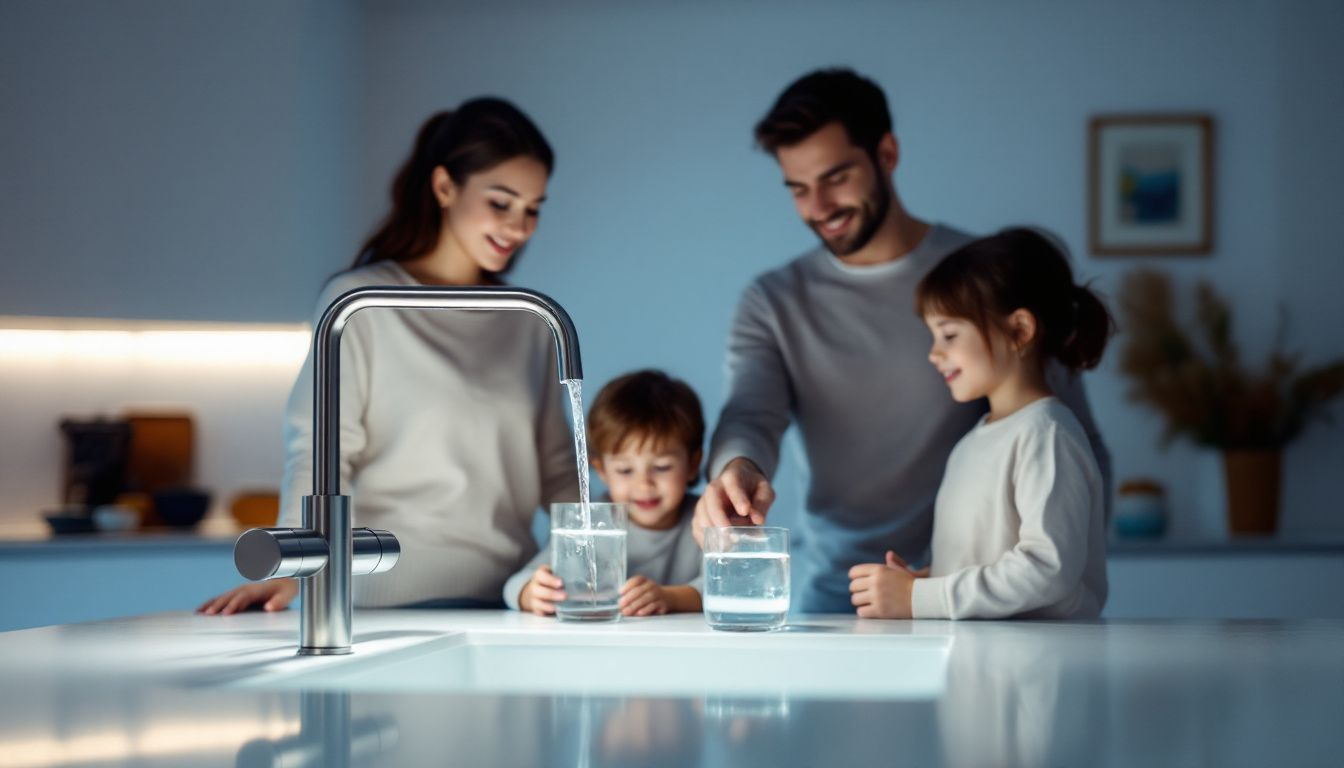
[{"x": 171, "y": 689}]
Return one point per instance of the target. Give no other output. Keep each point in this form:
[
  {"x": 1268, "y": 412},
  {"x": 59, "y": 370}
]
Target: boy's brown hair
[{"x": 646, "y": 405}]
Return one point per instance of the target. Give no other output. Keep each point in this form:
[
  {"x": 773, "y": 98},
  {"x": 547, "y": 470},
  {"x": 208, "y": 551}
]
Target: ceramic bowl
[
  {"x": 1140, "y": 517},
  {"x": 181, "y": 507},
  {"x": 65, "y": 521},
  {"x": 110, "y": 517}
]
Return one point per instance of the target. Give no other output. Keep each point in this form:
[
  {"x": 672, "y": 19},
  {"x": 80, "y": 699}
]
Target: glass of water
[
  {"x": 746, "y": 578},
  {"x": 588, "y": 554}
]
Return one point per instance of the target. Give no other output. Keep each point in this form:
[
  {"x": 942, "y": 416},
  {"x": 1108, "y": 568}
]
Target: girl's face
[
  {"x": 972, "y": 366},
  {"x": 650, "y": 479},
  {"x": 494, "y": 213}
]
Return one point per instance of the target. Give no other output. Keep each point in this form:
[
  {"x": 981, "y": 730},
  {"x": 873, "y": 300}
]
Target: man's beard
[{"x": 870, "y": 213}]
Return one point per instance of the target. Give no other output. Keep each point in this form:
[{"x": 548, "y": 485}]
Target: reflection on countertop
[{"x": 163, "y": 690}]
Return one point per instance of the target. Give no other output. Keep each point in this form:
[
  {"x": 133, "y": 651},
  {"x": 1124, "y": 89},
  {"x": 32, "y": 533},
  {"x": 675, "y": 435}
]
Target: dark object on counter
[
  {"x": 69, "y": 521},
  {"x": 1140, "y": 509},
  {"x": 161, "y": 455},
  {"x": 95, "y": 460},
  {"x": 256, "y": 509},
  {"x": 181, "y": 507}
]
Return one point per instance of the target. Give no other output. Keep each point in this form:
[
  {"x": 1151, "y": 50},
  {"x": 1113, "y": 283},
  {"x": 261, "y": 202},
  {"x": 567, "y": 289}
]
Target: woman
[{"x": 452, "y": 423}]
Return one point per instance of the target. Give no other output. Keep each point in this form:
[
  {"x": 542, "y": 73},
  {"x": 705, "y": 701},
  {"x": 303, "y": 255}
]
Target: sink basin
[{"x": 800, "y": 665}]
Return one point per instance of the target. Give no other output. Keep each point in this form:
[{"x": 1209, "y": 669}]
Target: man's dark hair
[{"x": 822, "y": 97}]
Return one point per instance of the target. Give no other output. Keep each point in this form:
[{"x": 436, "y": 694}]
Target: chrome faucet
[{"x": 326, "y": 553}]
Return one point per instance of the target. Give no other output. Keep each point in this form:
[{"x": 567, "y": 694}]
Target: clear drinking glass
[
  {"x": 588, "y": 554},
  {"x": 746, "y": 578}
]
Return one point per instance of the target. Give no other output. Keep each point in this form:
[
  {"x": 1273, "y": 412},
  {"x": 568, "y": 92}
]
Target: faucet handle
[
  {"x": 278, "y": 553},
  {"x": 376, "y": 551}
]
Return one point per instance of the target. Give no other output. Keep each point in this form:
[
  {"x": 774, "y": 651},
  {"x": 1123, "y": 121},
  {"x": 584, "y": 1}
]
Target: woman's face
[{"x": 494, "y": 212}]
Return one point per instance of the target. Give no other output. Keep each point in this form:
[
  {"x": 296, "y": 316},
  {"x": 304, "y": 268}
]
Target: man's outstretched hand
[{"x": 740, "y": 495}]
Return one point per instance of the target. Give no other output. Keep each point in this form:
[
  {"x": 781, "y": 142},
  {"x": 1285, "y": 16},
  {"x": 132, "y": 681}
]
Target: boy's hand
[
  {"x": 542, "y": 592},
  {"x": 642, "y": 596},
  {"x": 272, "y": 595},
  {"x": 740, "y": 495},
  {"x": 883, "y": 590}
]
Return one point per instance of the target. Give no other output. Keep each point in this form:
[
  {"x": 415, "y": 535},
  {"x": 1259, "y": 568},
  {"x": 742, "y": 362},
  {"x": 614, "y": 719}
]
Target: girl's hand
[
  {"x": 882, "y": 590},
  {"x": 273, "y": 595},
  {"x": 896, "y": 561},
  {"x": 642, "y": 596},
  {"x": 542, "y": 592}
]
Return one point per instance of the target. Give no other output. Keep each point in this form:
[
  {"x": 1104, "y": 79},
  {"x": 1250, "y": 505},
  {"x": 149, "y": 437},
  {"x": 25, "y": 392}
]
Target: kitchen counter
[
  {"x": 179, "y": 689},
  {"x": 35, "y": 536},
  {"x": 73, "y": 578}
]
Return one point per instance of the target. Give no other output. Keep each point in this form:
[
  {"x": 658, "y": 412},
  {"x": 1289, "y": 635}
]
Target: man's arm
[
  {"x": 760, "y": 397},
  {"x": 744, "y": 451}
]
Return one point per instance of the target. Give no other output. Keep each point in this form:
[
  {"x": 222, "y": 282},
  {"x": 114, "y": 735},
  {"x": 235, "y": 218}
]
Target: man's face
[{"x": 837, "y": 188}]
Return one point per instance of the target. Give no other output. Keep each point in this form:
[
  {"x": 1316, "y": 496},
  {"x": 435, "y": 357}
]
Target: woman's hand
[
  {"x": 883, "y": 590},
  {"x": 273, "y": 595},
  {"x": 642, "y": 596},
  {"x": 542, "y": 592}
]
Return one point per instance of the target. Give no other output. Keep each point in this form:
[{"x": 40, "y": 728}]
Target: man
[{"x": 831, "y": 341}]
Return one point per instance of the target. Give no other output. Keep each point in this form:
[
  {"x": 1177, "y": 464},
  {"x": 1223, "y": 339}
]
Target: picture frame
[{"x": 1150, "y": 185}]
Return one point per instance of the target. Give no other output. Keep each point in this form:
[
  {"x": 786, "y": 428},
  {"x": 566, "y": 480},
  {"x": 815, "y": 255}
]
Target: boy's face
[{"x": 650, "y": 479}]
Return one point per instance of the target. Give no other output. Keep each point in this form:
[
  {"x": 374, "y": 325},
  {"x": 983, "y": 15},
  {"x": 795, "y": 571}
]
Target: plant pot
[{"x": 1252, "y": 491}]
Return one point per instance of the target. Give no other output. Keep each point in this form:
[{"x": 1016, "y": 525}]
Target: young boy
[{"x": 645, "y": 432}]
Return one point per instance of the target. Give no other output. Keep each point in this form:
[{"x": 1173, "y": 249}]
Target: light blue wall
[
  {"x": 660, "y": 210},
  {"x": 1310, "y": 252},
  {"x": 215, "y": 161},
  {"x": 172, "y": 160}
]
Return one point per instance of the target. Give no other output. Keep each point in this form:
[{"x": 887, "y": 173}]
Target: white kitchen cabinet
[
  {"x": 73, "y": 579},
  {"x": 1238, "y": 579}
]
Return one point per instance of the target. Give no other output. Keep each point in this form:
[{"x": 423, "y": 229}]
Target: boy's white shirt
[{"x": 1019, "y": 526}]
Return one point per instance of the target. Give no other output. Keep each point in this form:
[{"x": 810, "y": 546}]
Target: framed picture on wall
[{"x": 1150, "y": 184}]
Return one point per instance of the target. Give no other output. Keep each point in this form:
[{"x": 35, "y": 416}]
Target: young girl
[
  {"x": 1019, "y": 526},
  {"x": 453, "y": 426}
]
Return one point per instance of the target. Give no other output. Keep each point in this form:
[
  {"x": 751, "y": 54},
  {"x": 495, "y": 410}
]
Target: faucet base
[{"x": 345, "y": 651}]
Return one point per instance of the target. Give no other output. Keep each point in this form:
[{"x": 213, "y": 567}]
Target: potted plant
[{"x": 1203, "y": 391}]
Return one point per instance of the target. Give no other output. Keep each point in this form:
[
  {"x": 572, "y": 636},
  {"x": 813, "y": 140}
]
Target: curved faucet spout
[
  {"x": 323, "y": 552},
  {"x": 327, "y": 350}
]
